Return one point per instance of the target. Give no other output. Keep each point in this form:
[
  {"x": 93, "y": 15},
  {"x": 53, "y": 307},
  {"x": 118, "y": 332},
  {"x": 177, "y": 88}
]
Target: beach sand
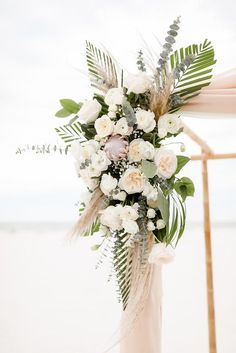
[{"x": 53, "y": 300}]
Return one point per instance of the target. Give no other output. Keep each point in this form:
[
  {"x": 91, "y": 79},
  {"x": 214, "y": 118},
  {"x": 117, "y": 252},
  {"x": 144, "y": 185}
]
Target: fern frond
[
  {"x": 122, "y": 261},
  {"x": 101, "y": 67}
]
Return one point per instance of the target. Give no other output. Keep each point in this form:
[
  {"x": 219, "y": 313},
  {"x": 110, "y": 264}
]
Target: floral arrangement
[{"x": 119, "y": 141}]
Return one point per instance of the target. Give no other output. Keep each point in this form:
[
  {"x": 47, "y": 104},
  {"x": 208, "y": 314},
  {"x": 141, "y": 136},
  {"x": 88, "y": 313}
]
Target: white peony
[
  {"x": 170, "y": 123},
  {"x": 89, "y": 111},
  {"x": 140, "y": 149},
  {"x": 160, "y": 224},
  {"x": 114, "y": 96},
  {"x": 122, "y": 127},
  {"x": 166, "y": 163},
  {"x": 108, "y": 183},
  {"x": 138, "y": 83},
  {"x": 110, "y": 217},
  {"x": 104, "y": 126},
  {"x": 130, "y": 226},
  {"x": 132, "y": 181},
  {"x": 128, "y": 212},
  {"x": 145, "y": 120}
]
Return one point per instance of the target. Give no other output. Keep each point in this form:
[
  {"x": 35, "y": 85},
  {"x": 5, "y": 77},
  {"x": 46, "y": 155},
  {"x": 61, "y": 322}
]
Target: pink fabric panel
[
  {"x": 146, "y": 334},
  {"x": 219, "y": 98}
]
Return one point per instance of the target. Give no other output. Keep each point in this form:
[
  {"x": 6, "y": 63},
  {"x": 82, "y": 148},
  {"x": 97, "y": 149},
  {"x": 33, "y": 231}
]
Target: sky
[{"x": 43, "y": 60}]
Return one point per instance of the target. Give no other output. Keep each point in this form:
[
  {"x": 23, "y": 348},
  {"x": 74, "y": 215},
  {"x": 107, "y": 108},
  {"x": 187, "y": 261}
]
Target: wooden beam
[
  {"x": 208, "y": 259},
  {"x": 204, "y": 146},
  {"x": 213, "y": 156}
]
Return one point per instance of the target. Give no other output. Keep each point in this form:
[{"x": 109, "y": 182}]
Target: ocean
[{"x": 54, "y": 300}]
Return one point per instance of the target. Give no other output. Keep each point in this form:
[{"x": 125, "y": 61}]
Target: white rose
[
  {"x": 151, "y": 213},
  {"x": 130, "y": 226},
  {"x": 108, "y": 183},
  {"x": 138, "y": 83},
  {"x": 170, "y": 123},
  {"x": 76, "y": 150},
  {"x": 162, "y": 132},
  {"x": 150, "y": 226},
  {"x": 89, "y": 111},
  {"x": 110, "y": 217},
  {"x": 148, "y": 150},
  {"x": 99, "y": 163},
  {"x": 128, "y": 212},
  {"x": 140, "y": 149},
  {"x": 91, "y": 183},
  {"x": 122, "y": 127},
  {"x": 160, "y": 224},
  {"x": 145, "y": 120},
  {"x": 114, "y": 96},
  {"x": 135, "y": 150},
  {"x": 132, "y": 181},
  {"x": 121, "y": 196},
  {"x": 104, "y": 126},
  {"x": 84, "y": 151},
  {"x": 166, "y": 163}
]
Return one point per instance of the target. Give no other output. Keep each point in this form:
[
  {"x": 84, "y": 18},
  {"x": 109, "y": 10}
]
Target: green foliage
[
  {"x": 181, "y": 160},
  {"x": 140, "y": 62},
  {"x": 68, "y": 107},
  {"x": 163, "y": 205},
  {"x": 43, "y": 149},
  {"x": 72, "y": 132},
  {"x": 184, "y": 187},
  {"x": 102, "y": 69},
  {"x": 197, "y": 74},
  {"x": 149, "y": 168}
]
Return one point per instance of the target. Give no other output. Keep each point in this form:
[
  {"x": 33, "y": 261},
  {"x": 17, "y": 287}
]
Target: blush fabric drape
[{"x": 218, "y": 100}]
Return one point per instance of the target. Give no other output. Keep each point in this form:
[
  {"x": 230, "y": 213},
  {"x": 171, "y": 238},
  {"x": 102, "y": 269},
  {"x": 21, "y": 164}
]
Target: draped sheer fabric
[{"x": 218, "y": 100}]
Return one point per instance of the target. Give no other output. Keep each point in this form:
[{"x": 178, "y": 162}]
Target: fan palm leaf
[
  {"x": 101, "y": 67},
  {"x": 197, "y": 74}
]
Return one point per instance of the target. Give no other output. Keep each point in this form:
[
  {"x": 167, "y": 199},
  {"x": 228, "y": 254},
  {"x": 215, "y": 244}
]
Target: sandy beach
[{"x": 53, "y": 300}]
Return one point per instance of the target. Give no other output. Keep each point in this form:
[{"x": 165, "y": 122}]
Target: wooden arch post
[{"x": 207, "y": 153}]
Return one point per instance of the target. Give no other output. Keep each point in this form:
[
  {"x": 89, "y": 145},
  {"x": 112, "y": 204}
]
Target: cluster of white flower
[{"x": 113, "y": 160}]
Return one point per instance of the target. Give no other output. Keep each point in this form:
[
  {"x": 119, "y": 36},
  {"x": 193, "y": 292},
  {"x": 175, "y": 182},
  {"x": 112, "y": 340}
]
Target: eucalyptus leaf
[{"x": 148, "y": 168}]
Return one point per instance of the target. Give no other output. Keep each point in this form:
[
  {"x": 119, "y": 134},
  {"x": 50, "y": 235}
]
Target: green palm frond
[
  {"x": 71, "y": 132},
  {"x": 101, "y": 67},
  {"x": 195, "y": 75},
  {"x": 176, "y": 222},
  {"x": 122, "y": 261}
]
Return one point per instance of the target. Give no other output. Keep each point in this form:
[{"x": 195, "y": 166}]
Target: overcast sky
[{"x": 42, "y": 51}]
